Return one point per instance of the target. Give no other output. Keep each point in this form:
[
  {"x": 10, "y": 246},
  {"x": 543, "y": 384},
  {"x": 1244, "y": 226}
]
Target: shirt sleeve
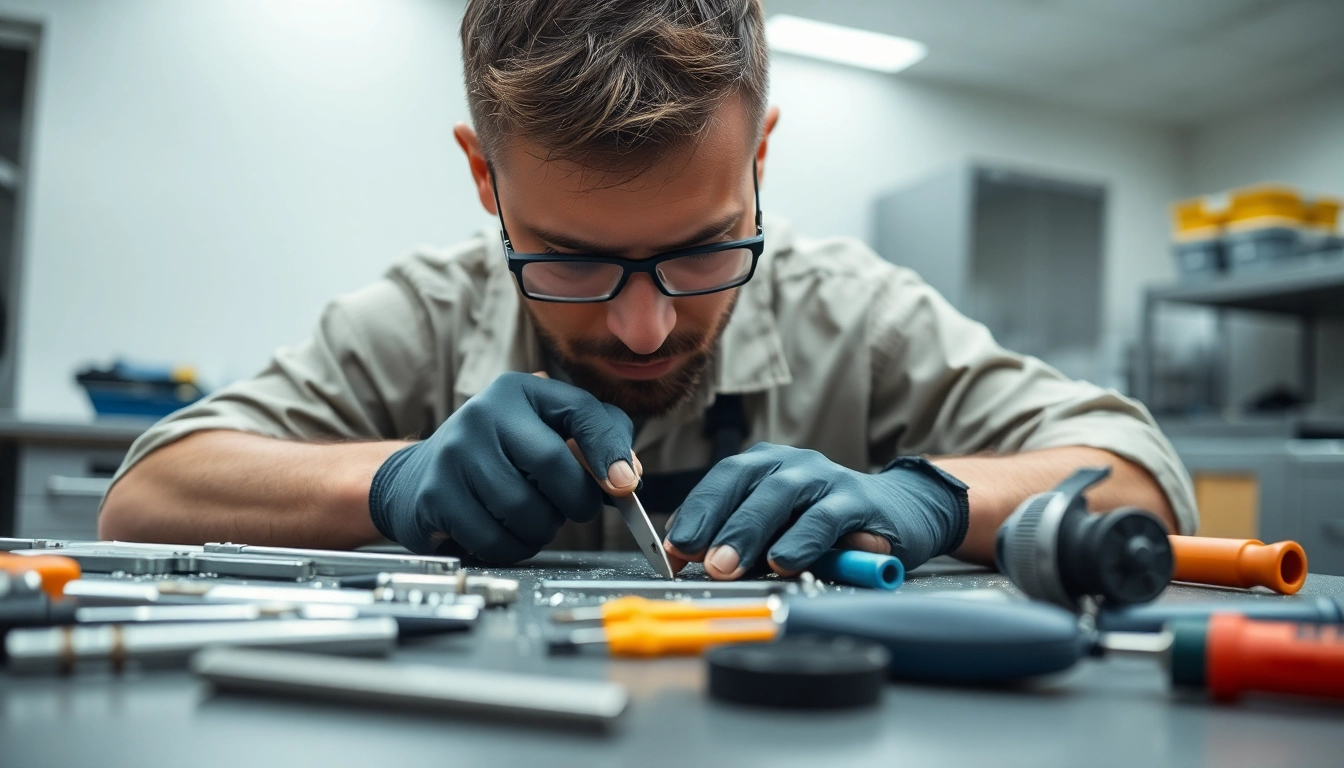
[
  {"x": 365, "y": 374},
  {"x": 942, "y": 385}
]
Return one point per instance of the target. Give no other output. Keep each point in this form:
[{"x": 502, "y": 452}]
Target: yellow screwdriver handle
[
  {"x": 643, "y": 637},
  {"x": 631, "y": 608}
]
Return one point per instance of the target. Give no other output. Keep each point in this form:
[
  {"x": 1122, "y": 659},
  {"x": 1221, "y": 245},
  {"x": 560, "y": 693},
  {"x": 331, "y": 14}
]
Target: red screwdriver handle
[{"x": 1273, "y": 657}]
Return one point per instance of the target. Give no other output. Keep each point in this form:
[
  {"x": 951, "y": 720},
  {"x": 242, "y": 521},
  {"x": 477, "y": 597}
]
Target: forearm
[
  {"x": 235, "y": 486},
  {"x": 998, "y": 484}
]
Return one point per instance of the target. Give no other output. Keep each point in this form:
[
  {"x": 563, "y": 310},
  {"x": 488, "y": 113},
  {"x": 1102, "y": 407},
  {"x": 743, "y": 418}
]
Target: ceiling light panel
[{"x": 842, "y": 45}]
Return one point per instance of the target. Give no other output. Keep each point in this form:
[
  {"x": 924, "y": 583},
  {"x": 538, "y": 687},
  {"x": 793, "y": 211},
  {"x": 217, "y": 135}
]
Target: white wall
[
  {"x": 208, "y": 173},
  {"x": 1299, "y": 141},
  {"x": 846, "y": 135}
]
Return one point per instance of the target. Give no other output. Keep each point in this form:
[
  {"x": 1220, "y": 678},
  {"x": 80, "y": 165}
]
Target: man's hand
[
  {"x": 912, "y": 510},
  {"x": 497, "y": 479}
]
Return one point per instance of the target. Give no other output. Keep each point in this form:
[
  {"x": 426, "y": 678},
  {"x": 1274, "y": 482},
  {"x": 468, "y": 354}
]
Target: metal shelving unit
[
  {"x": 1311, "y": 292},
  {"x": 1296, "y": 464}
]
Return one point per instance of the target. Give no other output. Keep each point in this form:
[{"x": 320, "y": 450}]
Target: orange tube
[
  {"x": 55, "y": 570},
  {"x": 1243, "y": 563}
]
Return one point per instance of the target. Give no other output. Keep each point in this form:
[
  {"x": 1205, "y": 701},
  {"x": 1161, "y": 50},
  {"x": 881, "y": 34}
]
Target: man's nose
[{"x": 641, "y": 316}]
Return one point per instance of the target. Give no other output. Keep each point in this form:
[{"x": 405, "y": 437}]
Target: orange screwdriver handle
[
  {"x": 1243, "y": 563},
  {"x": 633, "y": 607},
  {"x": 1273, "y": 657},
  {"x": 642, "y": 637},
  {"x": 54, "y": 569}
]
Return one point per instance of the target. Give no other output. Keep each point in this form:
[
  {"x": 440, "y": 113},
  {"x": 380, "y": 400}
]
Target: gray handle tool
[
  {"x": 331, "y": 563},
  {"x": 66, "y": 648},
  {"x": 470, "y": 691},
  {"x": 232, "y": 560}
]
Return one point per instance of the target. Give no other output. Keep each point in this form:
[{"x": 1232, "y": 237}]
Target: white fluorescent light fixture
[{"x": 842, "y": 45}]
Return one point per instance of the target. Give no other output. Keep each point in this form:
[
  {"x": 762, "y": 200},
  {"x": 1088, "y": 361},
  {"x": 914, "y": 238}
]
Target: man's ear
[
  {"x": 480, "y": 167},
  {"x": 771, "y": 120}
]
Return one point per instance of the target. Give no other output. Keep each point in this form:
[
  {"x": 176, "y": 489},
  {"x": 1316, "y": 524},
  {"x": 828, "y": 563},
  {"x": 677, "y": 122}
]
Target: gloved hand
[
  {"x": 497, "y": 480},
  {"x": 730, "y": 517}
]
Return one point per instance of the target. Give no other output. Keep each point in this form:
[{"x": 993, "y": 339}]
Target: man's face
[{"x": 641, "y": 351}]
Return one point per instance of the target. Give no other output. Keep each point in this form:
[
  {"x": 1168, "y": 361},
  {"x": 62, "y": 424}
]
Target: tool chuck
[{"x": 1053, "y": 549}]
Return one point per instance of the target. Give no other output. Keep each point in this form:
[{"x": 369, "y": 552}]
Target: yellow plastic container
[
  {"x": 1196, "y": 233},
  {"x": 1322, "y": 214},
  {"x": 1194, "y": 220},
  {"x": 1265, "y": 205},
  {"x": 1266, "y": 227}
]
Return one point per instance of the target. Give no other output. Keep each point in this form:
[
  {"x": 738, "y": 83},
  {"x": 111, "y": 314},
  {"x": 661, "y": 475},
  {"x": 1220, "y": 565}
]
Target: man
[{"x": 620, "y": 144}]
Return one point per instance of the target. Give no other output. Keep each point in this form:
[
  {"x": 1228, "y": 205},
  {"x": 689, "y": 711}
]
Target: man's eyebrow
[{"x": 713, "y": 229}]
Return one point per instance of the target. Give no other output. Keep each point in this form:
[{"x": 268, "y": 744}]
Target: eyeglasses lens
[
  {"x": 705, "y": 272},
  {"x": 570, "y": 280}
]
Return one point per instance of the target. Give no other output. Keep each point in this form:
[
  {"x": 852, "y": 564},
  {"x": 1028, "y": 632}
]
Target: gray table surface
[
  {"x": 1112, "y": 712},
  {"x": 109, "y": 430}
]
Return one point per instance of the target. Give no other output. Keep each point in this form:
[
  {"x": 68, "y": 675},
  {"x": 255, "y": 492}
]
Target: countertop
[
  {"x": 1112, "y": 712},
  {"x": 117, "y": 430}
]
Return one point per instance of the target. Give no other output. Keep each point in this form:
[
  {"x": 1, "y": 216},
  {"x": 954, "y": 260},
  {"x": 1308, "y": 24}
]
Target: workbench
[
  {"x": 1112, "y": 712},
  {"x": 53, "y": 473}
]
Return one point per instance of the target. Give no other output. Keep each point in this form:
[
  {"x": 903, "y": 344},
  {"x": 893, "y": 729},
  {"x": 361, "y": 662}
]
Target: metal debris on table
[{"x": 667, "y": 590}]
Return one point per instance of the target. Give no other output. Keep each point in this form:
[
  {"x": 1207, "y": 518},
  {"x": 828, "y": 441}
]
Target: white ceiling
[{"x": 1177, "y": 62}]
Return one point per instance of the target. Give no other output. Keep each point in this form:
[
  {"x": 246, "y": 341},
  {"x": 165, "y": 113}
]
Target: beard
[{"x": 638, "y": 398}]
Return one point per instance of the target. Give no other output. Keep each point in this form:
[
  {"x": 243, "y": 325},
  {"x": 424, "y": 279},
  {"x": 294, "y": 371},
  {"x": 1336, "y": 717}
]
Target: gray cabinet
[
  {"x": 1020, "y": 252},
  {"x": 53, "y": 475},
  {"x": 1300, "y": 489},
  {"x": 60, "y": 488},
  {"x": 1319, "y": 480}
]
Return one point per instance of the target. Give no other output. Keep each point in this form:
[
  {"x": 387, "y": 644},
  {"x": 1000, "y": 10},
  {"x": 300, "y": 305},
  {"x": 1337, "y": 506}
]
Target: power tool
[{"x": 1054, "y": 550}]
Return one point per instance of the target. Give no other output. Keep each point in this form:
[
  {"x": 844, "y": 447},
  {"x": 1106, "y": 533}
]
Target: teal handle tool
[{"x": 859, "y": 569}]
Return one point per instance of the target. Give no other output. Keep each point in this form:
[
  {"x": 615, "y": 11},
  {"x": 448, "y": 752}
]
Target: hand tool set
[
  {"x": 243, "y": 612},
  {"x": 67, "y": 605},
  {"x": 1091, "y": 578}
]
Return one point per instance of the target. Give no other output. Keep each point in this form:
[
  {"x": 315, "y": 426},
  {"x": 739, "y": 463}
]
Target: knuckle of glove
[
  {"x": 802, "y": 480},
  {"x": 620, "y": 419},
  {"x": 752, "y": 462}
]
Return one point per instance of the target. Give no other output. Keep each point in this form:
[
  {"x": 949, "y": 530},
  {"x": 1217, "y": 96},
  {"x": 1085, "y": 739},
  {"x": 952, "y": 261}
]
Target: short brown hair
[{"x": 605, "y": 82}]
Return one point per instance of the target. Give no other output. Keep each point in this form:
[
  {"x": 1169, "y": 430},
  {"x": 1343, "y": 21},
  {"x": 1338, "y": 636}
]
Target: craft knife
[{"x": 642, "y": 529}]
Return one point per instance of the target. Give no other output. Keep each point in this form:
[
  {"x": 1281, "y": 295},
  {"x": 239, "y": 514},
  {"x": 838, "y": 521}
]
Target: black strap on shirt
[{"x": 726, "y": 428}]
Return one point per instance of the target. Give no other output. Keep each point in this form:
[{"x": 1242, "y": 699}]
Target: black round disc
[
  {"x": 1133, "y": 555},
  {"x": 800, "y": 672}
]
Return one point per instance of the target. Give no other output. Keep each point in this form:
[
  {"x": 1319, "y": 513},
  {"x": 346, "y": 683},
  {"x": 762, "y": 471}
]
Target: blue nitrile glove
[
  {"x": 810, "y": 502},
  {"x": 496, "y": 480}
]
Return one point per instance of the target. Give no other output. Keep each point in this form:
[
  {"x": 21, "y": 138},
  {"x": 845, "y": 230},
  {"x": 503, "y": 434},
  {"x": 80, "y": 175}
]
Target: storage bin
[
  {"x": 1196, "y": 240},
  {"x": 1264, "y": 228}
]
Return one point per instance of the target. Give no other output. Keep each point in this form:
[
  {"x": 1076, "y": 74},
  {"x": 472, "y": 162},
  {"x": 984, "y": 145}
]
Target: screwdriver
[
  {"x": 1230, "y": 654},
  {"x": 942, "y": 640},
  {"x": 55, "y": 570},
  {"x": 640, "y": 636},
  {"x": 633, "y": 607}
]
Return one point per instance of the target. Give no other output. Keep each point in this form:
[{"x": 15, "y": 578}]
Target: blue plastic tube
[{"x": 859, "y": 569}]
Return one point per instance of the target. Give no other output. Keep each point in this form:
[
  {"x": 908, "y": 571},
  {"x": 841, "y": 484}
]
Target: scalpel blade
[{"x": 642, "y": 529}]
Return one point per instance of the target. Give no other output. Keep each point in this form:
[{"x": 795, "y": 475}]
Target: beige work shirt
[{"x": 831, "y": 347}]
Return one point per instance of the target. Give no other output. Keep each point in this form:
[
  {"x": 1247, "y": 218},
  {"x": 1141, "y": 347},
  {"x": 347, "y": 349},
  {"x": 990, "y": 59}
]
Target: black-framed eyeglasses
[{"x": 583, "y": 277}]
